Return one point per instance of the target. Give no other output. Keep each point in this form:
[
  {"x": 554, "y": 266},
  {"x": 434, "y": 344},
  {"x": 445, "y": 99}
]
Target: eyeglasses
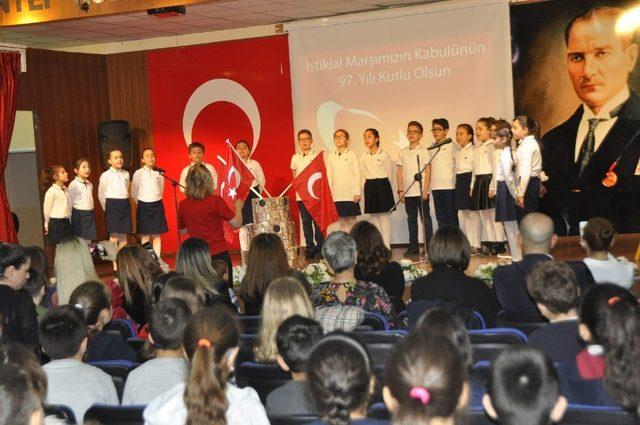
[
  {"x": 437, "y": 129},
  {"x": 414, "y": 132}
]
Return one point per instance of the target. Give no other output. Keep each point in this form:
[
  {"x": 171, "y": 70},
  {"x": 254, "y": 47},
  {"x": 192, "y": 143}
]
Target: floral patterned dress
[{"x": 367, "y": 295}]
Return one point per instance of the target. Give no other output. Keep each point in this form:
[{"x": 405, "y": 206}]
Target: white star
[{"x": 232, "y": 193}]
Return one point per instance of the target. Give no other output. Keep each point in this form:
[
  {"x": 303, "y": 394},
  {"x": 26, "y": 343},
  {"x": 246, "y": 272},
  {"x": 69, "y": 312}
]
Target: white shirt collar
[
  {"x": 418, "y": 146},
  {"x": 115, "y": 170},
  {"x": 611, "y": 104},
  {"x": 81, "y": 181},
  {"x": 343, "y": 152},
  {"x": 377, "y": 153},
  {"x": 311, "y": 152}
]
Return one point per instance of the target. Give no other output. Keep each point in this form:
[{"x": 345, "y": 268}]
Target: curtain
[{"x": 9, "y": 75}]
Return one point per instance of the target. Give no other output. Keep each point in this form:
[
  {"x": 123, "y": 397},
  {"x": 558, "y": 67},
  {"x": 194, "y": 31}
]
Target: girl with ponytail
[
  {"x": 610, "y": 324},
  {"x": 425, "y": 380},
  {"x": 211, "y": 343}
]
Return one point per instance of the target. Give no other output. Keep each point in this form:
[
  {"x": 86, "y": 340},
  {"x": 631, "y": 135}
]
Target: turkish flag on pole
[
  {"x": 313, "y": 187},
  {"x": 236, "y": 183}
]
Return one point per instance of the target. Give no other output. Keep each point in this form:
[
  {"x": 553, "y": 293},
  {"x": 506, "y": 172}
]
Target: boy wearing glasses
[
  {"x": 414, "y": 200},
  {"x": 443, "y": 175}
]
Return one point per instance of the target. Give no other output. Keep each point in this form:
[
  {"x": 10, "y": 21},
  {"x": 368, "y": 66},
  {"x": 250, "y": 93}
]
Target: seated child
[
  {"x": 19, "y": 403},
  {"x": 63, "y": 335},
  {"x": 554, "y": 288},
  {"x": 425, "y": 381},
  {"x": 340, "y": 381},
  {"x": 93, "y": 299},
  {"x": 169, "y": 367},
  {"x": 295, "y": 339},
  {"x": 523, "y": 388}
]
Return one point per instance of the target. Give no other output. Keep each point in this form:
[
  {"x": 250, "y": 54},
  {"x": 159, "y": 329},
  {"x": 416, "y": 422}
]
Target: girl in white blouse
[
  {"x": 464, "y": 169},
  {"x": 243, "y": 150},
  {"x": 113, "y": 194},
  {"x": 147, "y": 186},
  {"x": 83, "y": 220},
  {"x": 378, "y": 195},
  {"x": 344, "y": 175},
  {"x": 57, "y": 205},
  {"x": 528, "y": 163}
]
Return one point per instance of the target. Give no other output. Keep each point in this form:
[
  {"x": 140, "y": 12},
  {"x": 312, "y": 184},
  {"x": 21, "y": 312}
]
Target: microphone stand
[
  {"x": 175, "y": 185},
  {"x": 418, "y": 178}
]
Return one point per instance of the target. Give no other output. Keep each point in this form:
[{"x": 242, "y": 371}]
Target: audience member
[
  {"x": 169, "y": 367},
  {"x": 74, "y": 266},
  {"x": 554, "y": 288},
  {"x": 425, "y": 381},
  {"x": 38, "y": 281},
  {"x": 18, "y": 355},
  {"x": 295, "y": 339},
  {"x": 159, "y": 284},
  {"x": 210, "y": 341},
  {"x": 266, "y": 261},
  {"x": 194, "y": 261},
  {"x": 523, "y": 389},
  {"x": 285, "y": 297},
  {"x": 610, "y": 325},
  {"x": 509, "y": 281},
  {"x": 183, "y": 288},
  {"x": 222, "y": 269},
  {"x": 19, "y": 404},
  {"x": 93, "y": 299},
  {"x": 444, "y": 323},
  {"x": 450, "y": 254},
  {"x": 340, "y": 379},
  {"x": 136, "y": 272},
  {"x": 70, "y": 382},
  {"x": 20, "y": 322},
  {"x": 339, "y": 250},
  {"x": 374, "y": 263},
  {"x": 597, "y": 238}
]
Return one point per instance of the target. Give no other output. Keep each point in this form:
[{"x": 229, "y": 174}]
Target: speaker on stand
[{"x": 115, "y": 134}]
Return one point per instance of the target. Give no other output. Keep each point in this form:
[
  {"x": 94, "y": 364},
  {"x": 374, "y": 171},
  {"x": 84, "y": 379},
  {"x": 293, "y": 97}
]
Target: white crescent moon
[
  {"x": 326, "y": 119},
  {"x": 312, "y": 180},
  {"x": 221, "y": 90}
]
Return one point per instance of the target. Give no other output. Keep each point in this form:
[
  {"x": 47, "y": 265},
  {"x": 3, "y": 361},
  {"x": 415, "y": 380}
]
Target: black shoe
[
  {"x": 484, "y": 248},
  {"x": 318, "y": 255},
  {"x": 310, "y": 253},
  {"x": 411, "y": 252},
  {"x": 502, "y": 247},
  {"x": 493, "y": 248}
]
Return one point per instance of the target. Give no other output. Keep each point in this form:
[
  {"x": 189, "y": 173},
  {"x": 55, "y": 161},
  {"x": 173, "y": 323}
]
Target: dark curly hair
[
  {"x": 612, "y": 315},
  {"x": 373, "y": 255}
]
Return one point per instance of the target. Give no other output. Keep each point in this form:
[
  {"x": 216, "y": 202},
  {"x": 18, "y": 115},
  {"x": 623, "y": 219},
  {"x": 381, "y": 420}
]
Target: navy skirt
[
  {"x": 463, "y": 187},
  {"x": 530, "y": 197},
  {"x": 247, "y": 208},
  {"x": 348, "y": 208},
  {"x": 480, "y": 195},
  {"x": 378, "y": 196},
  {"x": 117, "y": 216},
  {"x": 59, "y": 228},
  {"x": 505, "y": 204},
  {"x": 83, "y": 223},
  {"x": 150, "y": 218}
]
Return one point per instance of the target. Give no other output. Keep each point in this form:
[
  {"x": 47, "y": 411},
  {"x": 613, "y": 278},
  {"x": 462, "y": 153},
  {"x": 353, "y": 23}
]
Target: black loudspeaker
[{"x": 112, "y": 135}]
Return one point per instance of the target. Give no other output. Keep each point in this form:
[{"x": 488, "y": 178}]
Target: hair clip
[
  {"x": 420, "y": 393},
  {"x": 79, "y": 306},
  {"x": 204, "y": 342},
  {"x": 613, "y": 300}
]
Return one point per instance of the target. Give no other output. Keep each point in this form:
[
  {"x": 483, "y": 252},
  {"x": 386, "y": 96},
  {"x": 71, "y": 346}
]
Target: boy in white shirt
[
  {"x": 196, "y": 155},
  {"x": 443, "y": 177},
  {"x": 414, "y": 200},
  {"x": 169, "y": 367},
  {"x": 63, "y": 335},
  {"x": 299, "y": 161}
]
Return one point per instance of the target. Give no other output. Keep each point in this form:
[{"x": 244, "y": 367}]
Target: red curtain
[{"x": 9, "y": 75}]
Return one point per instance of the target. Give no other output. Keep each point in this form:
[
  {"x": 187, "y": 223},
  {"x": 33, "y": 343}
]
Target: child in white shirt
[
  {"x": 345, "y": 180},
  {"x": 83, "y": 220},
  {"x": 57, "y": 204},
  {"x": 113, "y": 194}
]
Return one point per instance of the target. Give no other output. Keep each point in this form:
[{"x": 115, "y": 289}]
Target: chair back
[
  {"x": 292, "y": 420},
  {"x": 379, "y": 344},
  {"x": 121, "y": 327},
  {"x": 486, "y": 344},
  {"x": 250, "y": 324},
  {"x": 263, "y": 378},
  {"x": 471, "y": 318},
  {"x": 114, "y": 415},
  {"x": 526, "y": 322},
  {"x": 60, "y": 411},
  {"x": 118, "y": 370}
]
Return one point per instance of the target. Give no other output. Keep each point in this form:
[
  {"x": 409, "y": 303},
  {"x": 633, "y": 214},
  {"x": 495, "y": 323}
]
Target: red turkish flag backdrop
[
  {"x": 319, "y": 203},
  {"x": 260, "y": 66}
]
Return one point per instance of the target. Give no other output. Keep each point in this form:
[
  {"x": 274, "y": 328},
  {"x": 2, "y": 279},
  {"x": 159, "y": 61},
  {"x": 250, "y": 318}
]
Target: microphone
[
  {"x": 437, "y": 145},
  {"x": 160, "y": 170}
]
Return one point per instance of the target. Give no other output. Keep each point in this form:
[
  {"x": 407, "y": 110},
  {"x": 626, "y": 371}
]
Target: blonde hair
[
  {"x": 199, "y": 182},
  {"x": 285, "y": 297},
  {"x": 74, "y": 266}
]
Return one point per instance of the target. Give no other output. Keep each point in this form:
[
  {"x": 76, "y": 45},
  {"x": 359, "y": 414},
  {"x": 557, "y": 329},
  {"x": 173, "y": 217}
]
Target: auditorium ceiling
[{"x": 199, "y": 18}]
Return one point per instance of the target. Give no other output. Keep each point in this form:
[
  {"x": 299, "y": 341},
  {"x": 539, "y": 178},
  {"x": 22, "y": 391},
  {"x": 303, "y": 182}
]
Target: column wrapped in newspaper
[{"x": 273, "y": 215}]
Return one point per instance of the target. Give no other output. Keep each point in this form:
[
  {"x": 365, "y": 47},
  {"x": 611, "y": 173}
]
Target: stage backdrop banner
[
  {"x": 231, "y": 90},
  {"x": 383, "y": 69}
]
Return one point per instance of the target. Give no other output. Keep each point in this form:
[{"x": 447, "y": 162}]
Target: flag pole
[
  {"x": 254, "y": 177},
  {"x": 286, "y": 190},
  {"x": 251, "y": 189}
]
